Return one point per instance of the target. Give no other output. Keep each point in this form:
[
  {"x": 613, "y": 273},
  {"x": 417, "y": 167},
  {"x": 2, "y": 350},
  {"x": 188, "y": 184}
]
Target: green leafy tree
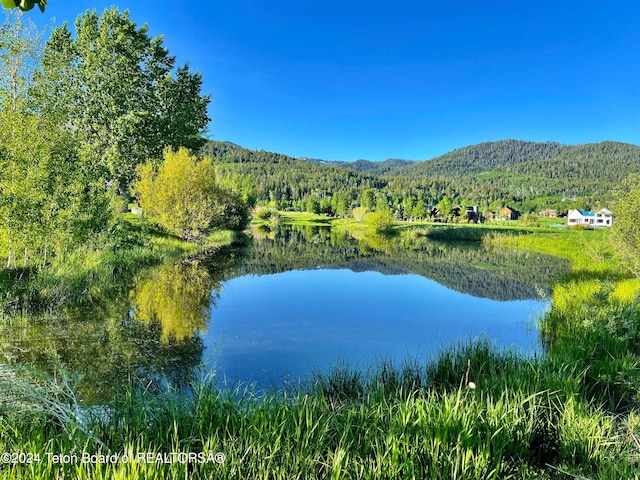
[
  {"x": 381, "y": 220},
  {"x": 445, "y": 206},
  {"x": 313, "y": 206},
  {"x": 419, "y": 210},
  {"x": 49, "y": 201},
  {"x": 184, "y": 196},
  {"x": 368, "y": 199},
  {"x": 382, "y": 202},
  {"x": 20, "y": 54},
  {"x": 340, "y": 204},
  {"x": 116, "y": 89},
  {"x": 626, "y": 225},
  {"x": 325, "y": 206}
]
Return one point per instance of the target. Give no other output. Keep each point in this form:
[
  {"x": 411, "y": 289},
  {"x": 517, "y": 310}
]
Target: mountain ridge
[{"x": 528, "y": 175}]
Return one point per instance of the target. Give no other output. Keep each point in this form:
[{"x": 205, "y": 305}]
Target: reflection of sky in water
[{"x": 267, "y": 328}]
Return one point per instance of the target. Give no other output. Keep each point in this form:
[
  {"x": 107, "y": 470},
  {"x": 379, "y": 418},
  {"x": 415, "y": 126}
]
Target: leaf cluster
[
  {"x": 24, "y": 5},
  {"x": 186, "y": 196}
]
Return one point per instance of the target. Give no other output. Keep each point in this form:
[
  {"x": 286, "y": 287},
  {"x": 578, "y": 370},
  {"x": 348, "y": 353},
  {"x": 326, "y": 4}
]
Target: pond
[
  {"x": 305, "y": 300},
  {"x": 289, "y": 303}
]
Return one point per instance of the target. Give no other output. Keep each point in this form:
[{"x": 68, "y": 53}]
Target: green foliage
[
  {"x": 381, "y": 220},
  {"x": 114, "y": 87},
  {"x": 445, "y": 207},
  {"x": 626, "y": 226},
  {"x": 265, "y": 213},
  {"x": 20, "y": 52},
  {"x": 313, "y": 206},
  {"x": 473, "y": 412},
  {"x": 386, "y": 422},
  {"x": 48, "y": 201},
  {"x": 292, "y": 183},
  {"x": 25, "y": 5},
  {"x": 528, "y": 176},
  {"x": 186, "y": 198}
]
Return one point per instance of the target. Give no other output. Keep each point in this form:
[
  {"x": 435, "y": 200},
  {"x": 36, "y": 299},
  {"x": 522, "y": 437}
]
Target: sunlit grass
[
  {"x": 305, "y": 218},
  {"x": 588, "y": 250},
  {"x": 572, "y": 297},
  {"x": 92, "y": 272},
  {"x": 413, "y": 420},
  {"x": 626, "y": 291}
]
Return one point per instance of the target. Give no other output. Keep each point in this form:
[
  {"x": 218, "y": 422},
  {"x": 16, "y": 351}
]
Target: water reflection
[
  {"x": 152, "y": 329},
  {"x": 467, "y": 267},
  {"x": 147, "y": 332},
  {"x": 306, "y": 297},
  {"x": 175, "y": 295}
]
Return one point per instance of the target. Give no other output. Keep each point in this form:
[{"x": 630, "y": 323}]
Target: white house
[{"x": 601, "y": 218}]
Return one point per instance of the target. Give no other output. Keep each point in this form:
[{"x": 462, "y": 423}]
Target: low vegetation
[{"x": 473, "y": 412}]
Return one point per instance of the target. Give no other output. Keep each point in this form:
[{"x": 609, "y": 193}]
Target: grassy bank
[
  {"x": 522, "y": 420},
  {"x": 475, "y": 412},
  {"x": 97, "y": 269}
]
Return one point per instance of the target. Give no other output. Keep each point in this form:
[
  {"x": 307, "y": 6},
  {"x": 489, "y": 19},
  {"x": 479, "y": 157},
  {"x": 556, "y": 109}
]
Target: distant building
[
  {"x": 508, "y": 213},
  {"x": 601, "y": 218},
  {"x": 472, "y": 214},
  {"x": 549, "y": 213}
]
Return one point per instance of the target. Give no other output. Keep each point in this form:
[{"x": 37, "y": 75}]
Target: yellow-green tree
[
  {"x": 185, "y": 197},
  {"x": 626, "y": 226},
  {"x": 381, "y": 220}
]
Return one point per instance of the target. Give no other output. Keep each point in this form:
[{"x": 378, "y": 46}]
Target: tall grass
[
  {"x": 409, "y": 421},
  {"x": 95, "y": 271}
]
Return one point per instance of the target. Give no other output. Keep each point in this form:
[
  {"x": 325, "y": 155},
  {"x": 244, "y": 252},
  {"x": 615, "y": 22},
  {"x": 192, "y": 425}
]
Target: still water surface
[
  {"x": 274, "y": 329},
  {"x": 285, "y": 304}
]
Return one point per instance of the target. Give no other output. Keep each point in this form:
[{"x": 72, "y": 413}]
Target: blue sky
[{"x": 343, "y": 80}]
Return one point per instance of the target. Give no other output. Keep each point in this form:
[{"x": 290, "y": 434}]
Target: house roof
[{"x": 585, "y": 213}]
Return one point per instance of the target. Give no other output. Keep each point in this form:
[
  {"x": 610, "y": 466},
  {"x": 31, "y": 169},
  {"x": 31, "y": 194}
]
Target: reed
[{"x": 411, "y": 420}]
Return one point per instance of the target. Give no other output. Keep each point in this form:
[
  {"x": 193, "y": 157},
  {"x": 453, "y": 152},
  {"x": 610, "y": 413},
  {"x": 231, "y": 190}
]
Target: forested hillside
[
  {"x": 482, "y": 157},
  {"x": 594, "y": 168},
  {"x": 291, "y": 182},
  {"x": 526, "y": 175},
  {"x": 377, "y": 168}
]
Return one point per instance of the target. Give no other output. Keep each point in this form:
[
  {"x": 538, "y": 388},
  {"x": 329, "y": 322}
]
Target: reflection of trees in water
[
  {"x": 156, "y": 339},
  {"x": 467, "y": 267},
  {"x": 108, "y": 345},
  {"x": 104, "y": 352},
  {"x": 176, "y": 296}
]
